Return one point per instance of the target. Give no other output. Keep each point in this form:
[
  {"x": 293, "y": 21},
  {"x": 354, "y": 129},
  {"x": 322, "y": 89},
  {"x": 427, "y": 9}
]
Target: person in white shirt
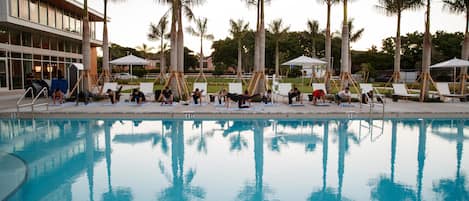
[{"x": 344, "y": 95}]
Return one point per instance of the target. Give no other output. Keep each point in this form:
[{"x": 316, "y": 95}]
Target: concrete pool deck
[{"x": 103, "y": 109}]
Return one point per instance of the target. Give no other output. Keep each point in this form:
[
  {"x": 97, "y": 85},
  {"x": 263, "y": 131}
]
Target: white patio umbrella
[
  {"x": 304, "y": 61},
  {"x": 452, "y": 63},
  {"x": 129, "y": 60}
]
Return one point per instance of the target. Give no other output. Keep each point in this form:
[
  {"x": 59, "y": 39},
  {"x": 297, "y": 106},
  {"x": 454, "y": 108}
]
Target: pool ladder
[
  {"x": 32, "y": 104},
  {"x": 371, "y": 102}
]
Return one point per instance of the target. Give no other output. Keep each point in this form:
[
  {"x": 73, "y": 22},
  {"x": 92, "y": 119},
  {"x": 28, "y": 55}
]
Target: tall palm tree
[
  {"x": 145, "y": 49},
  {"x": 427, "y": 55},
  {"x": 353, "y": 37},
  {"x": 461, "y": 6},
  {"x": 344, "y": 70},
  {"x": 396, "y": 7},
  {"x": 158, "y": 32},
  {"x": 313, "y": 30},
  {"x": 278, "y": 32},
  {"x": 328, "y": 42},
  {"x": 86, "y": 48},
  {"x": 106, "y": 71},
  {"x": 238, "y": 30},
  {"x": 201, "y": 31}
]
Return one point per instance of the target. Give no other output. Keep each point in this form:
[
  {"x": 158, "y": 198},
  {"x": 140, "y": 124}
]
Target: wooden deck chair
[
  {"x": 147, "y": 89},
  {"x": 202, "y": 86},
  {"x": 401, "y": 91},
  {"x": 444, "y": 92},
  {"x": 109, "y": 85}
]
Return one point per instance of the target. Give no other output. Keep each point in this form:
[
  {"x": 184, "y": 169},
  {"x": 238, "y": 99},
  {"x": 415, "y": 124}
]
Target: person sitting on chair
[
  {"x": 197, "y": 96},
  {"x": 319, "y": 94},
  {"x": 294, "y": 93},
  {"x": 344, "y": 95},
  {"x": 167, "y": 96},
  {"x": 137, "y": 96},
  {"x": 267, "y": 98},
  {"x": 57, "y": 95}
]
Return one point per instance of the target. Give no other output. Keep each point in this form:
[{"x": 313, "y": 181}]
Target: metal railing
[
  {"x": 32, "y": 104},
  {"x": 371, "y": 102}
]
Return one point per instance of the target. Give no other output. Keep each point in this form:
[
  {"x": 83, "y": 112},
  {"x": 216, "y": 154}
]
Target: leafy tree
[
  {"x": 238, "y": 30},
  {"x": 278, "y": 31}
]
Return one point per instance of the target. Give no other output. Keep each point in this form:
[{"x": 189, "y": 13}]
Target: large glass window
[
  {"x": 45, "y": 43},
  {"x": 24, "y": 9},
  {"x": 59, "y": 19},
  {"x": 3, "y": 35},
  {"x": 36, "y": 41},
  {"x": 66, "y": 22},
  {"x": 72, "y": 24},
  {"x": 26, "y": 39},
  {"x": 27, "y": 72},
  {"x": 78, "y": 26},
  {"x": 16, "y": 73},
  {"x": 53, "y": 44},
  {"x": 14, "y": 8},
  {"x": 51, "y": 16},
  {"x": 61, "y": 45},
  {"x": 34, "y": 11},
  {"x": 15, "y": 37},
  {"x": 43, "y": 13}
]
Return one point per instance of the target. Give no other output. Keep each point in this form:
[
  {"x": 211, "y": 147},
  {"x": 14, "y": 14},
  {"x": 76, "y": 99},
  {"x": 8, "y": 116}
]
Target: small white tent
[
  {"x": 308, "y": 64},
  {"x": 129, "y": 60}
]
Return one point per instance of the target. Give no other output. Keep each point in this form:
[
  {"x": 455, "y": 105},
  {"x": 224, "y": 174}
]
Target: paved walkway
[{"x": 209, "y": 110}]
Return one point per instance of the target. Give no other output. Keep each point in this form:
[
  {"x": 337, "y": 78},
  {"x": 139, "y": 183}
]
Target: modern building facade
[{"x": 40, "y": 38}]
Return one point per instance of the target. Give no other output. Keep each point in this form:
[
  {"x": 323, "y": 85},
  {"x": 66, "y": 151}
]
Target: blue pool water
[{"x": 314, "y": 159}]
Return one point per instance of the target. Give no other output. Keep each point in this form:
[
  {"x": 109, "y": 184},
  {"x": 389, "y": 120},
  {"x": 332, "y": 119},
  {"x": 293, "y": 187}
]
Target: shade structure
[
  {"x": 129, "y": 60},
  {"x": 452, "y": 63},
  {"x": 304, "y": 61}
]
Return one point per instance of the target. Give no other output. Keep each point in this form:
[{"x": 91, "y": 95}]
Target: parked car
[{"x": 124, "y": 76}]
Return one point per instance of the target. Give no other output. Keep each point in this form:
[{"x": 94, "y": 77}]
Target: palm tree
[
  {"x": 313, "y": 30},
  {"x": 145, "y": 49},
  {"x": 106, "y": 71},
  {"x": 396, "y": 7},
  {"x": 353, "y": 37},
  {"x": 158, "y": 32},
  {"x": 344, "y": 70},
  {"x": 86, "y": 48},
  {"x": 461, "y": 6},
  {"x": 238, "y": 30},
  {"x": 328, "y": 42},
  {"x": 201, "y": 31},
  {"x": 426, "y": 57},
  {"x": 278, "y": 32}
]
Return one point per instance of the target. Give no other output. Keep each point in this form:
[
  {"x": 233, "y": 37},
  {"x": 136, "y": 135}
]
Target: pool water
[{"x": 217, "y": 160}]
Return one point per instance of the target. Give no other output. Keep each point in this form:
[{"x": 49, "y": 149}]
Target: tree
[
  {"x": 313, "y": 30},
  {"x": 201, "y": 31},
  {"x": 396, "y": 7},
  {"x": 145, "y": 49},
  {"x": 86, "y": 49},
  {"x": 328, "y": 42},
  {"x": 106, "y": 71},
  {"x": 345, "y": 75},
  {"x": 426, "y": 57},
  {"x": 278, "y": 32},
  {"x": 238, "y": 31},
  {"x": 159, "y": 32},
  {"x": 353, "y": 37},
  {"x": 461, "y": 6}
]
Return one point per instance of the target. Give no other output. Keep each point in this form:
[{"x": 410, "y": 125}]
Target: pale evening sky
[{"x": 130, "y": 19}]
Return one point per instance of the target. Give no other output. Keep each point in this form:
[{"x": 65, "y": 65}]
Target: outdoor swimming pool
[{"x": 281, "y": 159}]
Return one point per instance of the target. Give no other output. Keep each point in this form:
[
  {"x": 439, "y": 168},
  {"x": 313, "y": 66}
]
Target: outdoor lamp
[
  {"x": 49, "y": 68},
  {"x": 37, "y": 69}
]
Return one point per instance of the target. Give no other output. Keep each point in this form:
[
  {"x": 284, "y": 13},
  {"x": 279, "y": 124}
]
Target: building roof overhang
[{"x": 77, "y": 8}]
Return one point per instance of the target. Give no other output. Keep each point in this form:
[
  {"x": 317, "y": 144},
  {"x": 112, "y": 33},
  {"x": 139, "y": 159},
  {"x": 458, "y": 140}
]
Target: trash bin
[
  {"x": 212, "y": 98},
  {"x": 395, "y": 98}
]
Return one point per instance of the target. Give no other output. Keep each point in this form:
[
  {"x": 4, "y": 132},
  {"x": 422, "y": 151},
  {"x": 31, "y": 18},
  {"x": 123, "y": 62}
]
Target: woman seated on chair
[
  {"x": 197, "y": 96},
  {"x": 57, "y": 95},
  {"x": 137, "y": 96}
]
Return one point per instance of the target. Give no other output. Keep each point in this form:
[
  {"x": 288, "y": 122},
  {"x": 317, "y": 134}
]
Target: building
[{"x": 40, "y": 38}]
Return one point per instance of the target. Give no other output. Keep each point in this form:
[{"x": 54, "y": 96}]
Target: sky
[{"x": 130, "y": 19}]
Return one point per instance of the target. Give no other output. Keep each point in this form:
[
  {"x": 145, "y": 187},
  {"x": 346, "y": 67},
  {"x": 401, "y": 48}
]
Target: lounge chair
[
  {"x": 317, "y": 86},
  {"x": 283, "y": 89},
  {"x": 400, "y": 90},
  {"x": 202, "y": 86},
  {"x": 444, "y": 92},
  {"x": 109, "y": 85},
  {"x": 147, "y": 89},
  {"x": 235, "y": 88}
]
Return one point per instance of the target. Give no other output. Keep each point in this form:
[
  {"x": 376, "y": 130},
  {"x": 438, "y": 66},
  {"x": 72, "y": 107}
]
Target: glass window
[
  {"x": 17, "y": 74},
  {"x": 24, "y": 9},
  {"x": 27, "y": 56},
  {"x": 36, "y": 41},
  {"x": 61, "y": 45},
  {"x": 27, "y": 70},
  {"x": 67, "y": 46},
  {"x": 37, "y": 66},
  {"x": 66, "y": 22},
  {"x": 59, "y": 19},
  {"x": 53, "y": 44},
  {"x": 45, "y": 43},
  {"x": 3, "y": 35},
  {"x": 26, "y": 39},
  {"x": 33, "y": 11},
  {"x": 43, "y": 13},
  {"x": 51, "y": 14},
  {"x": 16, "y": 55},
  {"x": 78, "y": 26},
  {"x": 14, "y": 8},
  {"x": 37, "y": 57},
  {"x": 15, "y": 38},
  {"x": 72, "y": 24}
]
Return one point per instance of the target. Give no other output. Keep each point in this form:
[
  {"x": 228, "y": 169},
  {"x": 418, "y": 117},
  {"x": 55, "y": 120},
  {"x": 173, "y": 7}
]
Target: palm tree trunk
[
  {"x": 239, "y": 70},
  {"x": 465, "y": 54},
  {"x": 426, "y": 58},
  {"x": 172, "y": 82},
  {"x": 397, "y": 53},
  {"x": 313, "y": 41},
  {"x": 277, "y": 59},
  {"x": 105, "y": 46},
  {"x": 256, "y": 42},
  {"x": 201, "y": 59},
  {"x": 328, "y": 46},
  {"x": 162, "y": 59},
  {"x": 86, "y": 49},
  {"x": 180, "y": 41},
  {"x": 261, "y": 80},
  {"x": 345, "y": 47}
]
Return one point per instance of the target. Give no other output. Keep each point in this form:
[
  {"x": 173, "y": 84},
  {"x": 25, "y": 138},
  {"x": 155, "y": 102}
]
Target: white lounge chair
[
  {"x": 147, "y": 89},
  {"x": 317, "y": 86},
  {"x": 401, "y": 91},
  {"x": 235, "y": 88},
  {"x": 202, "y": 86},
  {"x": 109, "y": 85},
  {"x": 444, "y": 92},
  {"x": 367, "y": 87},
  {"x": 283, "y": 89}
]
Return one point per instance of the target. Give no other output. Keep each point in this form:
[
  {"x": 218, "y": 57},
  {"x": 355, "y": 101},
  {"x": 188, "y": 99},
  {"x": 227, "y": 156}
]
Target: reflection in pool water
[{"x": 255, "y": 160}]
